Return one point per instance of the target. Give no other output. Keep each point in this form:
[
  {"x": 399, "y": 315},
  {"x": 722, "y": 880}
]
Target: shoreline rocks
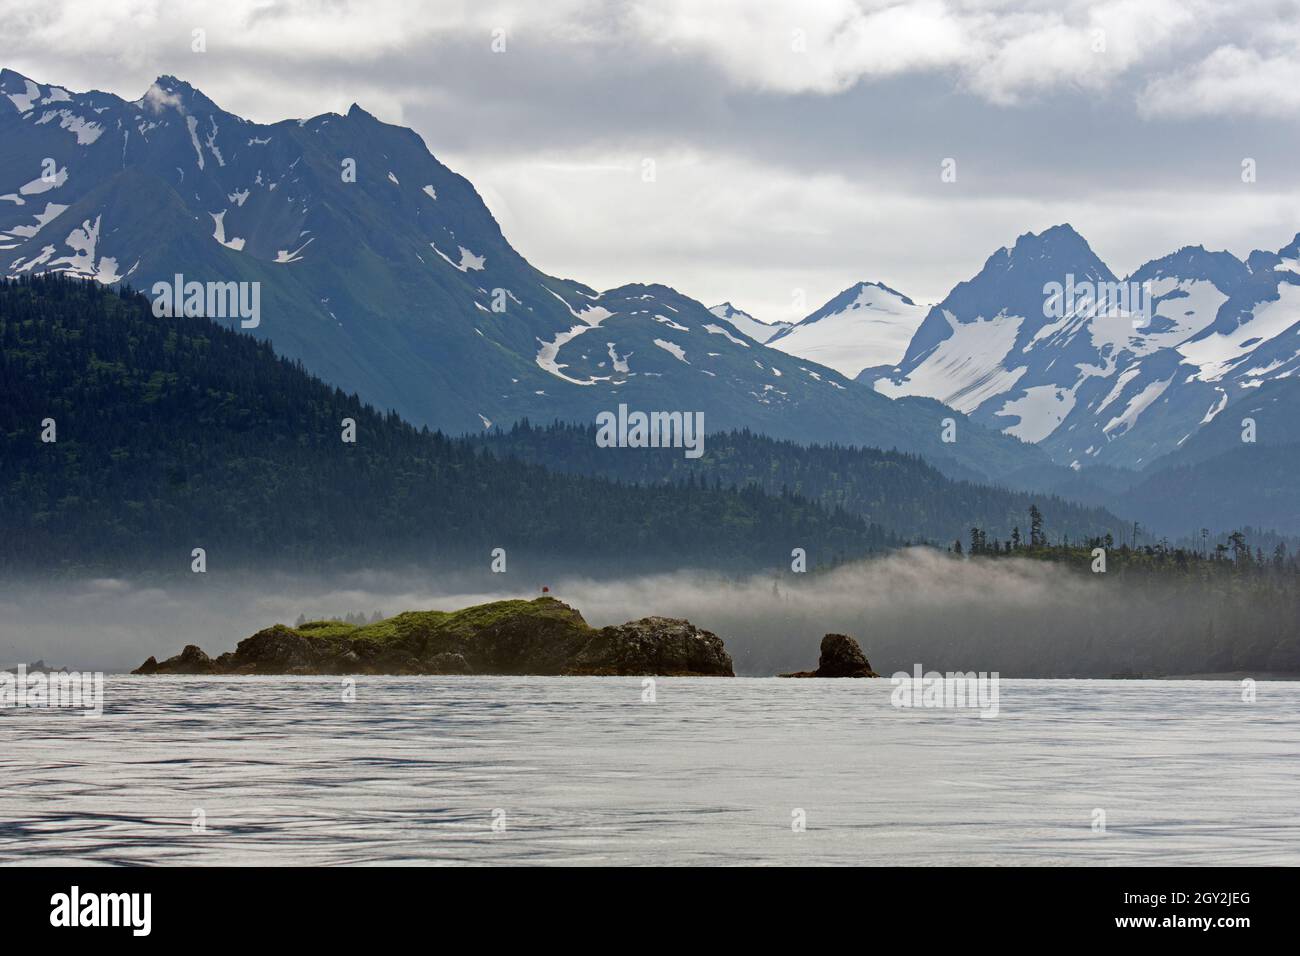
[
  {"x": 544, "y": 637},
  {"x": 841, "y": 656}
]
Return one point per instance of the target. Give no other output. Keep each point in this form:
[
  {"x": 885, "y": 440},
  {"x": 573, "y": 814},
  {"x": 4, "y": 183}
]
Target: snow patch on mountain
[
  {"x": 23, "y": 101},
  {"x": 746, "y": 324},
  {"x": 83, "y": 241},
  {"x": 673, "y": 349},
  {"x": 38, "y": 185},
  {"x": 468, "y": 261},
  {"x": 1217, "y": 407},
  {"x": 866, "y": 325},
  {"x": 592, "y": 315},
  {"x": 192, "y": 122},
  {"x": 21, "y": 264},
  {"x": 675, "y": 326},
  {"x": 219, "y": 231},
  {"x": 547, "y": 355},
  {"x": 83, "y": 261},
  {"x": 52, "y": 211},
  {"x": 1218, "y": 353},
  {"x": 1041, "y": 409},
  {"x": 1121, "y": 383},
  {"x": 719, "y": 330},
  {"x": 966, "y": 368},
  {"x": 212, "y": 142},
  {"x": 1136, "y": 406},
  {"x": 618, "y": 361},
  {"x": 1187, "y": 305},
  {"x": 86, "y": 131},
  {"x": 284, "y": 256}
]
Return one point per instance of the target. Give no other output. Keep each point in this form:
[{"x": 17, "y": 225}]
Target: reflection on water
[{"x": 579, "y": 770}]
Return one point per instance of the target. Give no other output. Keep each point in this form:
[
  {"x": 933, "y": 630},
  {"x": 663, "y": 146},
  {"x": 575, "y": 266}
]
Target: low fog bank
[{"x": 1022, "y": 618}]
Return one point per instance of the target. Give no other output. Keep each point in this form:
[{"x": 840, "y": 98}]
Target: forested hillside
[
  {"x": 174, "y": 434},
  {"x": 897, "y": 490}
]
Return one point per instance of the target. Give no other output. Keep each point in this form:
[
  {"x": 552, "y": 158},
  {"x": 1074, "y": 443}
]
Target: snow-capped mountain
[
  {"x": 744, "y": 322},
  {"x": 1223, "y": 481},
  {"x": 385, "y": 274},
  {"x": 865, "y": 326},
  {"x": 1046, "y": 344}
]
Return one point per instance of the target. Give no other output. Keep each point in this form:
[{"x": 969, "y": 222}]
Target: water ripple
[{"x": 564, "y": 771}]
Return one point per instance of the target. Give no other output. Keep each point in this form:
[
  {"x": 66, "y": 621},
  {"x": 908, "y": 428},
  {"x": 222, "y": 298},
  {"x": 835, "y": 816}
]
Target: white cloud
[
  {"x": 721, "y": 228},
  {"x": 1003, "y": 50},
  {"x": 777, "y": 169},
  {"x": 1230, "y": 81},
  {"x": 1085, "y": 46},
  {"x": 794, "y": 47},
  {"x": 156, "y": 99}
]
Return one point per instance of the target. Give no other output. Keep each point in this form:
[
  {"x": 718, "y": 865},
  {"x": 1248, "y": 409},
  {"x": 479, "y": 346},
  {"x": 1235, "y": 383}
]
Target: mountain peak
[
  {"x": 7, "y": 76},
  {"x": 756, "y": 329},
  {"x": 172, "y": 84},
  {"x": 1034, "y": 259},
  {"x": 867, "y": 325},
  {"x": 871, "y": 284},
  {"x": 726, "y": 310},
  {"x": 1061, "y": 229},
  {"x": 1224, "y": 270},
  {"x": 23, "y": 93},
  {"x": 169, "y": 92},
  {"x": 1061, "y": 239}
]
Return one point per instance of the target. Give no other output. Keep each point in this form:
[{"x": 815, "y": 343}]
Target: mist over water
[{"x": 1022, "y": 618}]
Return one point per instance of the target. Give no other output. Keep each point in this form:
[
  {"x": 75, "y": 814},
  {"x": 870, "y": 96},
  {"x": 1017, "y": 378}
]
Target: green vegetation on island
[{"x": 540, "y": 637}]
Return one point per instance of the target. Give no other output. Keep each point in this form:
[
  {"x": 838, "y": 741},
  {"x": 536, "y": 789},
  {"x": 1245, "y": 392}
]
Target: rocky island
[
  {"x": 841, "y": 656},
  {"x": 543, "y": 637}
]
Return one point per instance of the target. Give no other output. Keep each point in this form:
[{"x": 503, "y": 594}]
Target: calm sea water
[{"x": 416, "y": 770}]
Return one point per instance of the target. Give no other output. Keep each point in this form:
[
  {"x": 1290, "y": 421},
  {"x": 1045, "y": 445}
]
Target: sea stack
[{"x": 840, "y": 657}]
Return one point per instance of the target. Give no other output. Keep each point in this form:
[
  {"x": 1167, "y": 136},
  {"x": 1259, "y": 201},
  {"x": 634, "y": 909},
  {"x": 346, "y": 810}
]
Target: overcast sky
[{"x": 797, "y": 147}]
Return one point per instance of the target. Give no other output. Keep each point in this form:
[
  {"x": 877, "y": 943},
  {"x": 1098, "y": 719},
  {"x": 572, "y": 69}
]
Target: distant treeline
[
  {"x": 1233, "y": 556},
  {"x": 894, "y": 489},
  {"x": 357, "y": 618},
  {"x": 1161, "y": 609}
]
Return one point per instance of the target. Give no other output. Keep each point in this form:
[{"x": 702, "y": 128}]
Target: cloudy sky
[{"x": 796, "y": 147}]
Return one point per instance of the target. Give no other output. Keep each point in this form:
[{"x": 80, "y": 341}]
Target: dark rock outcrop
[
  {"x": 35, "y": 667},
  {"x": 654, "y": 645},
  {"x": 541, "y": 637},
  {"x": 191, "y": 660},
  {"x": 840, "y": 657}
]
